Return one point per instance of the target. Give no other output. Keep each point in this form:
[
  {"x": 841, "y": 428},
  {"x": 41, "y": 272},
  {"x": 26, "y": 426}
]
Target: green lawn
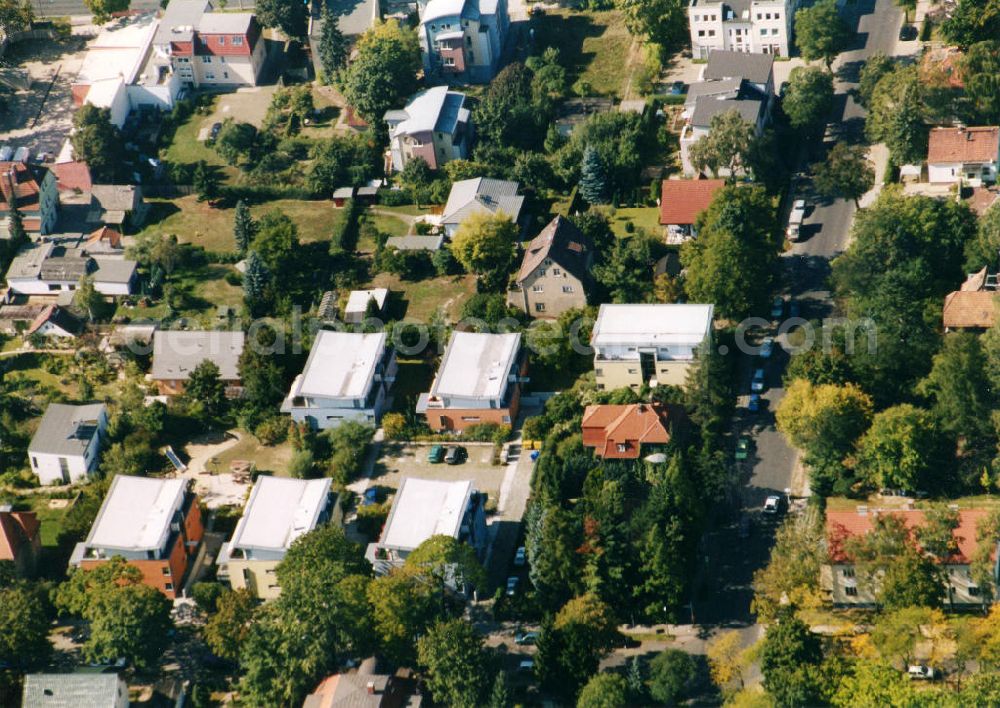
[
  {"x": 52, "y": 519},
  {"x": 647, "y": 218},
  {"x": 198, "y": 223},
  {"x": 268, "y": 458},
  {"x": 413, "y": 378},
  {"x": 422, "y": 298},
  {"x": 185, "y": 148},
  {"x": 202, "y": 290},
  {"x": 594, "y": 46},
  {"x": 390, "y": 225},
  {"x": 30, "y": 366}
]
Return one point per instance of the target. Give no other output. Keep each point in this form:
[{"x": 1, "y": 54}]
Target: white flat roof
[
  {"x": 279, "y": 511},
  {"x": 357, "y": 301},
  {"x": 341, "y": 364},
  {"x": 476, "y": 365},
  {"x": 424, "y": 508},
  {"x": 652, "y": 324},
  {"x": 136, "y": 513},
  {"x": 225, "y": 23},
  {"x": 118, "y": 51}
]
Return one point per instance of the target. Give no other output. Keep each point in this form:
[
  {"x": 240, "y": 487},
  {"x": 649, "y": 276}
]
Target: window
[
  {"x": 973, "y": 591},
  {"x": 449, "y": 61},
  {"x": 567, "y": 288},
  {"x": 600, "y": 387},
  {"x": 222, "y": 41},
  {"x": 468, "y": 41},
  {"x": 470, "y": 418},
  {"x": 222, "y": 60},
  {"x": 774, "y": 31},
  {"x": 209, "y": 76},
  {"x": 168, "y": 586},
  {"x": 225, "y": 74},
  {"x": 848, "y": 572},
  {"x": 599, "y": 372},
  {"x": 506, "y": 419},
  {"x": 237, "y": 41},
  {"x": 472, "y": 58},
  {"x": 541, "y": 272},
  {"x": 165, "y": 570},
  {"x": 763, "y": 31},
  {"x": 777, "y": 16},
  {"x": 556, "y": 271},
  {"x": 539, "y": 307},
  {"x": 206, "y": 59},
  {"x": 701, "y": 33},
  {"x": 711, "y": 33},
  {"x": 537, "y": 289},
  {"x": 34, "y": 462},
  {"x": 633, "y": 371},
  {"x": 622, "y": 447},
  {"x": 851, "y": 591}
]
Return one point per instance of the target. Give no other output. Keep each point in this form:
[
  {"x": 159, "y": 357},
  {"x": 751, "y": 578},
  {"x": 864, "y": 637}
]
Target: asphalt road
[
  {"x": 71, "y": 8},
  {"x": 729, "y": 560}
]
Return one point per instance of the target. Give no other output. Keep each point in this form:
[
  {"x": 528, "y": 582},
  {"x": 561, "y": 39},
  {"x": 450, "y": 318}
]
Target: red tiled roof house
[
  {"x": 20, "y": 539},
  {"x": 681, "y": 201},
  {"x": 33, "y": 191},
  {"x": 618, "y": 432},
  {"x": 969, "y": 154},
  {"x": 844, "y": 585}
]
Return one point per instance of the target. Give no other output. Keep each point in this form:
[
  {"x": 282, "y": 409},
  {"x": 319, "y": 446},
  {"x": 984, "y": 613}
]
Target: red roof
[
  {"x": 620, "y": 431},
  {"x": 106, "y": 233},
  {"x": 72, "y": 176},
  {"x": 841, "y": 525},
  {"x": 964, "y": 144},
  {"x": 18, "y": 182},
  {"x": 16, "y": 529},
  {"x": 681, "y": 200}
]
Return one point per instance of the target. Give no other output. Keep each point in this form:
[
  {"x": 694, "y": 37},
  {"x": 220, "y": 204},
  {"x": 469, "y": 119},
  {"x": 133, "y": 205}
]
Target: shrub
[
  {"x": 487, "y": 432},
  {"x": 272, "y": 431},
  {"x": 395, "y": 197},
  {"x": 302, "y": 465},
  {"x": 394, "y": 425},
  {"x": 206, "y": 595},
  {"x": 371, "y": 518}
]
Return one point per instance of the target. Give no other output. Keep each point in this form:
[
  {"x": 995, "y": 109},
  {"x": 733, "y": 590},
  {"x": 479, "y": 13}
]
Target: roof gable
[
  {"x": 681, "y": 200},
  {"x": 561, "y": 242},
  {"x": 981, "y": 144}
]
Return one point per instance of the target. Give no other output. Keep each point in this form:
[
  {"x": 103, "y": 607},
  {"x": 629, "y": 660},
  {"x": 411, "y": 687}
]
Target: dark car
[
  {"x": 436, "y": 454},
  {"x": 755, "y": 403},
  {"x": 214, "y": 133},
  {"x": 677, "y": 88},
  {"x": 455, "y": 456},
  {"x": 794, "y": 309},
  {"x": 907, "y": 33},
  {"x": 371, "y": 497}
]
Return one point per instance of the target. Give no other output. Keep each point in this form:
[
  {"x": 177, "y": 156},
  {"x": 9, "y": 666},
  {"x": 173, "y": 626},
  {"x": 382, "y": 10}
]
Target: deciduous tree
[
  {"x": 101, "y": 10},
  {"x": 97, "y": 142},
  {"x": 291, "y": 18},
  {"x": 227, "y": 629},
  {"x": 809, "y": 98},
  {"x": 458, "y": 671},
  {"x": 727, "y": 146},
  {"x": 788, "y": 659},
  {"x": 604, "y": 690},
  {"x": 384, "y": 71},
  {"x": 205, "y": 387},
  {"x": 821, "y": 33},
  {"x": 484, "y": 245},
  {"x": 901, "y": 450},
  {"x": 670, "y": 675},
  {"x": 972, "y": 21},
  {"x": 846, "y": 172},
  {"x": 896, "y": 115}
]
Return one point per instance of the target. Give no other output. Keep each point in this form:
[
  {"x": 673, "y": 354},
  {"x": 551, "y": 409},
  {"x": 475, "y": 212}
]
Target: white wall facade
[
  {"x": 765, "y": 28},
  {"x": 49, "y": 468},
  {"x": 954, "y": 172}
]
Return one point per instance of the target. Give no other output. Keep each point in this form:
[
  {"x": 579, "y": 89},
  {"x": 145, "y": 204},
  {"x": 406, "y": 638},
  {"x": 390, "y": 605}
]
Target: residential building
[
  {"x": 210, "y": 49},
  {"x": 153, "y": 523},
  {"x": 72, "y": 178},
  {"x": 278, "y": 511},
  {"x": 55, "y": 321},
  {"x": 67, "y": 444},
  {"x": 354, "y": 18},
  {"x": 34, "y": 191},
  {"x": 963, "y": 154},
  {"x": 763, "y": 26},
  {"x": 478, "y": 381},
  {"x": 77, "y": 690},
  {"x": 973, "y": 306},
  {"x": 847, "y": 587},
  {"x": 435, "y": 125},
  {"x": 461, "y": 41},
  {"x": 119, "y": 204},
  {"x": 620, "y": 432},
  {"x": 428, "y": 507},
  {"x": 346, "y": 377},
  {"x": 20, "y": 539},
  {"x": 648, "y": 344},
  {"x": 555, "y": 271},
  {"x": 731, "y": 81},
  {"x": 365, "y": 687},
  {"x": 48, "y": 268},
  {"x": 480, "y": 195},
  {"x": 681, "y": 201},
  {"x": 176, "y": 353},
  {"x": 105, "y": 241},
  {"x": 358, "y": 301}
]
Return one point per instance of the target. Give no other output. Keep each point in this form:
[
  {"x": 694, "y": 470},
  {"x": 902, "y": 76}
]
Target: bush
[
  {"x": 302, "y": 465},
  {"x": 206, "y": 595},
  {"x": 272, "y": 431},
  {"x": 371, "y": 518},
  {"x": 487, "y": 432},
  {"x": 394, "y": 425},
  {"x": 234, "y": 278},
  {"x": 394, "y": 197}
]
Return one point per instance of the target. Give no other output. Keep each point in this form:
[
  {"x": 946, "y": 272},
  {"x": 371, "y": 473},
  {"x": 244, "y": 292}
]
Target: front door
[{"x": 64, "y": 469}]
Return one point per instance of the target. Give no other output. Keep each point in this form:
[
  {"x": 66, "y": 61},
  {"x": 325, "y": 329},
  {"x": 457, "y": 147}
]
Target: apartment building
[
  {"x": 461, "y": 41},
  {"x": 647, "y": 344},
  {"x": 435, "y": 125},
  {"x": 763, "y": 26}
]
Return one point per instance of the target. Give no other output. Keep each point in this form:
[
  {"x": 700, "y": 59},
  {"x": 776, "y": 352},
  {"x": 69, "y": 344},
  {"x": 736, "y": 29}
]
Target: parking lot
[{"x": 400, "y": 460}]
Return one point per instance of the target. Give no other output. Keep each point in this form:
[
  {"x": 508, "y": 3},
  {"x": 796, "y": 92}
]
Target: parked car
[
  {"x": 755, "y": 403},
  {"x": 907, "y": 33},
  {"x": 767, "y": 348},
  {"x": 743, "y": 447},
  {"x": 919, "y": 671},
  {"x": 772, "y": 505},
  {"x": 777, "y": 308},
  {"x": 795, "y": 218},
  {"x": 526, "y": 666},
  {"x": 436, "y": 454},
  {"x": 526, "y": 638},
  {"x": 214, "y": 132},
  {"x": 677, "y": 88},
  {"x": 370, "y": 497},
  {"x": 455, "y": 456},
  {"x": 757, "y": 384},
  {"x": 512, "y": 585},
  {"x": 520, "y": 557}
]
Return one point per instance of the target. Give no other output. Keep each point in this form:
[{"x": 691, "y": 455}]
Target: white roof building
[
  {"x": 652, "y": 325},
  {"x": 476, "y": 365},
  {"x": 357, "y": 303}
]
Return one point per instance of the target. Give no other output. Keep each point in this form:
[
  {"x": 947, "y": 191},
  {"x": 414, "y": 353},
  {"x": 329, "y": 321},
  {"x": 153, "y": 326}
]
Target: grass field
[
  {"x": 424, "y": 297},
  {"x": 593, "y": 46},
  {"x": 52, "y": 519},
  {"x": 185, "y": 148},
  {"x": 647, "y": 218},
  {"x": 269, "y": 458},
  {"x": 203, "y": 290}
]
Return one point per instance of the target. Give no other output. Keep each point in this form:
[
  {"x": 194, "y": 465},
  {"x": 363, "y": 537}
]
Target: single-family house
[
  {"x": 72, "y": 178},
  {"x": 118, "y": 204},
  {"x": 76, "y": 690},
  {"x": 462, "y": 41},
  {"x": 619, "y": 432},
  {"x": 963, "y": 154},
  {"x": 480, "y": 195},
  {"x": 347, "y": 377},
  {"x": 353, "y": 17},
  {"x": 648, "y": 344},
  {"x": 681, "y": 201},
  {"x": 745, "y": 26},
  {"x": 14, "y": 319},
  {"x": 278, "y": 511},
  {"x": 49, "y": 268},
  {"x": 176, "y": 353},
  {"x": 33, "y": 191},
  {"x": 20, "y": 539},
  {"x": 478, "y": 381},
  {"x": 365, "y": 687},
  {"x": 359, "y": 301},
  {"x": 435, "y": 125},
  {"x": 555, "y": 271},
  {"x": 153, "y": 523},
  {"x": 55, "y": 321},
  {"x": 973, "y": 306},
  {"x": 67, "y": 444},
  {"x": 849, "y": 587},
  {"x": 428, "y": 507}
]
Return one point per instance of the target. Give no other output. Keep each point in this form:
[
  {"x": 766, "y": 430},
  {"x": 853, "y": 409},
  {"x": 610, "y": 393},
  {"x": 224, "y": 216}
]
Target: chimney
[{"x": 370, "y": 687}]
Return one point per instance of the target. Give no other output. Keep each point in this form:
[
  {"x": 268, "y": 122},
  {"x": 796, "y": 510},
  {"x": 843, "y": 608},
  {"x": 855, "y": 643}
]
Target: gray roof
[
  {"x": 343, "y": 192},
  {"x": 707, "y": 107},
  {"x": 116, "y": 197},
  {"x": 66, "y": 429},
  {"x": 481, "y": 194},
  {"x": 176, "y": 353},
  {"x": 72, "y": 690},
  {"x": 182, "y": 16},
  {"x": 225, "y": 23},
  {"x": 65, "y": 268},
  {"x": 114, "y": 270},
  {"x": 354, "y": 17},
  {"x": 434, "y": 109},
  {"x": 415, "y": 243},
  {"x": 713, "y": 88},
  {"x": 28, "y": 262},
  {"x": 722, "y": 64}
]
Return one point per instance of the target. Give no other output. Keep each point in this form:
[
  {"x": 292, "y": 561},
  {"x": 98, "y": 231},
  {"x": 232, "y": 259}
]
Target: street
[{"x": 771, "y": 467}]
